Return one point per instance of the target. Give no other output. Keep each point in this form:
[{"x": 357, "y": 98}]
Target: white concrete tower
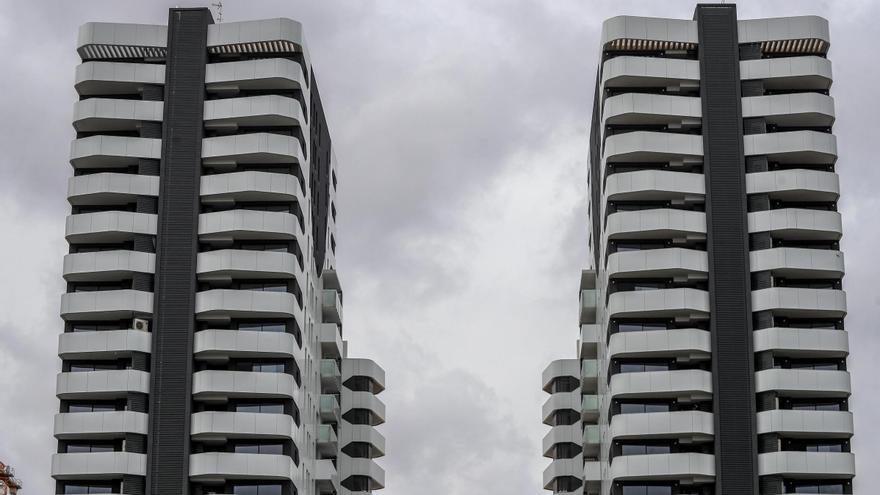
[
  {"x": 202, "y": 347},
  {"x": 712, "y": 351}
]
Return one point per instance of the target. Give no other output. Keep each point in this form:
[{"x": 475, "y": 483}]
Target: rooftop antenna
[{"x": 219, "y": 6}]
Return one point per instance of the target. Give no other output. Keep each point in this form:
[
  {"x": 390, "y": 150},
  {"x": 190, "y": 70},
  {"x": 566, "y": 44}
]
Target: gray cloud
[{"x": 461, "y": 131}]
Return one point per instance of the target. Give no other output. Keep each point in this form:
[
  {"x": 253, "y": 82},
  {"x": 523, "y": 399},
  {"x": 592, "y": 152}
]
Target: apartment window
[
  {"x": 256, "y": 448},
  {"x": 80, "y": 448},
  {"x": 263, "y": 327},
  {"x": 641, "y": 367},
  {"x": 817, "y": 405},
  {"x": 269, "y": 489},
  {"x": 263, "y": 287},
  {"x": 268, "y": 408},
  {"x": 644, "y": 407},
  {"x": 646, "y": 490},
  {"x": 640, "y": 327},
  {"x": 80, "y": 367},
  {"x": 644, "y": 449},
  {"x": 91, "y": 407},
  {"x": 85, "y": 489},
  {"x": 98, "y": 327},
  {"x": 817, "y": 488}
]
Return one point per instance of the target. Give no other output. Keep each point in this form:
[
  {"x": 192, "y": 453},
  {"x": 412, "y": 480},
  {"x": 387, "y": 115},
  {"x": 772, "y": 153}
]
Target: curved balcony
[
  {"x": 265, "y": 110},
  {"x": 797, "y": 223},
  {"x": 221, "y": 466},
  {"x": 633, "y": 71},
  {"x": 279, "y": 34},
  {"x": 804, "y": 383},
  {"x": 223, "y": 384},
  {"x": 662, "y": 223},
  {"x": 99, "y": 425},
  {"x": 104, "y": 384},
  {"x": 783, "y": 28},
  {"x": 793, "y": 146},
  {"x": 113, "y": 114},
  {"x": 230, "y": 303},
  {"x": 351, "y": 466},
  {"x": 648, "y": 28},
  {"x": 113, "y": 151},
  {"x": 267, "y": 73},
  {"x": 110, "y": 188},
  {"x": 590, "y": 408},
  {"x": 224, "y": 344},
  {"x": 108, "y": 344},
  {"x": 562, "y": 434},
  {"x": 802, "y": 342},
  {"x": 659, "y": 303},
  {"x": 363, "y": 400},
  {"x": 558, "y": 369},
  {"x": 365, "y": 434},
  {"x": 808, "y": 465},
  {"x": 121, "y": 35},
  {"x": 682, "y": 384},
  {"x": 224, "y": 264},
  {"x": 107, "y": 265},
  {"x": 657, "y": 263},
  {"x": 683, "y": 343},
  {"x": 791, "y": 301},
  {"x": 686, "y": 467},
  {"x": 216, "y": 426},
  {"x": 561, "y": 401},
  {"x": 105, "y": 78},
  {"x": 352, "y": 367},
  {"x": 651, "y": 109},
  {"x": 806, "y": 424},
  {"x": 588, "y": 343},
  {"x": 248, "y": 224},
  {"x": 654, "y": 185},
  {"x": 559, "y": 468},
  {"x": 794, "y": 109},
  {"x": 686, "y": 426},
  {"x": 259, "y": 147},
  {"x": 331, "y": 341},
  {"x": 251, "y": 186},
  {"x": 798, "y": 262},
  {"x": 646, "y": 146},
  {"x": 108, "y": 226},
  {"x": 106, "y": 305},
  {"x": 795, "y": 185},
  {"x": 98, "y": 465},
  {"x": 804, "y": 73}
]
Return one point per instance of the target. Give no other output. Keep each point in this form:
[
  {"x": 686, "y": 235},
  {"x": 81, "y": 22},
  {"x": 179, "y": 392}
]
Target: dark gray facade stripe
[
  {"x": 596, "y": 185},
  {"x": 728, "y": 250},
  {"x": 319, "y": 174},
  {"x": 176, "y": 250}
]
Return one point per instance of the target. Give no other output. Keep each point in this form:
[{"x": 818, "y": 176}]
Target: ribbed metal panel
[
  {"x": 727, "y": 241},
  {"x": 177, "y": 242}
]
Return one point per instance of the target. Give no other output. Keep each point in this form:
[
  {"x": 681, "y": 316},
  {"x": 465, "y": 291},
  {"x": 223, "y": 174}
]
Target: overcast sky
[{"x": 461, "y": 132}]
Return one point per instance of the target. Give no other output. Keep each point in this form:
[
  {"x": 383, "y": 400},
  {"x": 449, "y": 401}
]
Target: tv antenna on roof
[{"x": 219, "y": 6}]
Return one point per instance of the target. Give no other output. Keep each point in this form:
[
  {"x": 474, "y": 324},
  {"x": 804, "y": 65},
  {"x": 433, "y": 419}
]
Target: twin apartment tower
[{"x": 202, "y": 349}]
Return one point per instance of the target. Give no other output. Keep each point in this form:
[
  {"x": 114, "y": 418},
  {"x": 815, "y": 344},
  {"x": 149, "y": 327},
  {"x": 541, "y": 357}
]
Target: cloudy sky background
[{"x": 461, "y": 132}]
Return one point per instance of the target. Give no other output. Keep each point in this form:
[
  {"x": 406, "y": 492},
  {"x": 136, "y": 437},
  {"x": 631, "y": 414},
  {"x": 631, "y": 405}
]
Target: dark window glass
[{"x": 260, "y": 408}]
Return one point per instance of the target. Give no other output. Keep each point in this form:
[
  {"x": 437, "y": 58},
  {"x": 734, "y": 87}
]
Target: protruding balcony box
[
  {"x": 110, "y": 188},
  {"x": 589, "y": 375},
  {"x": 589, "y": 341},
  {"x": 686, "y": 467},
  {"x": 561, "y": 434},
  {"x": 259, "y": 147},
  {"x": 103, "y": 384},
  {"x": 326, "y": 476},
  {"x": 686, "y": 426},
  {"x": 231, "y": 303},
  {"x": 797, "y": 223},
  {"x": 98, "y": 465},
  {"x": 331, "y": 377},
  {"x": 220, "y": 466},
  {"x": 659, "y": 303},
  {"x": 804, "y": 383},
  {"x": 590, "y": 408},
  {"x": 331, "y": 341},
  {"x": 329, "y": 408},
  {"x": 681, "y": 384},
  {"x": 328, "y": 443},
  {"x": 331, "y": 306},
  {"x": 106, "y": 305},
  {"x": 806, "y": 424},
  {"x": 224, "y": 344},
  {"x": 794, "y": 109},
  {"x": 591, "y": 440},
  {"x": 798, "y": 262},
  {"x": 229, "y": 225},
  {"x": 806, "y": 73},
  {"x": 641, "y": 146},
  {"x": 223, "y": 425},
  {"x": 107, "y": 344},
  {"x": 114, "y": 114},
  {"x": 588, "y": 306},
  {"x": 809, "y": 465},
  {"x": 803, "y": 342},
  {"x": 573, "y": 467},
  {"x": 105, "y": 78},
  {"x": 794, "y": 301},
  {"x": 364, "y": 434},
  {"x": 267, "y": 73},
  {"x": 592, "y": 477},
  {"x": 263, "y": 110},
  {"x": 560, "y": 368},
  {"x": 363, "y": 400},
  {"x": 351, "y": 466},
  {"x": 99, "y": 425},
  {"x": 223, "y": 384},
  {"x": 633, "y": 71},
  {"x": 112, "y": 151},
  {"x": 793, "y": 146},
  {"x": 683, "y": 343},
  {"x": 108, "y": 226},
  {"x": 250, "y": 186},
  {"x": 352, "y": 367}
]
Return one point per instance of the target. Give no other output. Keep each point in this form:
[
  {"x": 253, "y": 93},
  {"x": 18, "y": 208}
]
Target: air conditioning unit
[{"x": 141, "y": 324}]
